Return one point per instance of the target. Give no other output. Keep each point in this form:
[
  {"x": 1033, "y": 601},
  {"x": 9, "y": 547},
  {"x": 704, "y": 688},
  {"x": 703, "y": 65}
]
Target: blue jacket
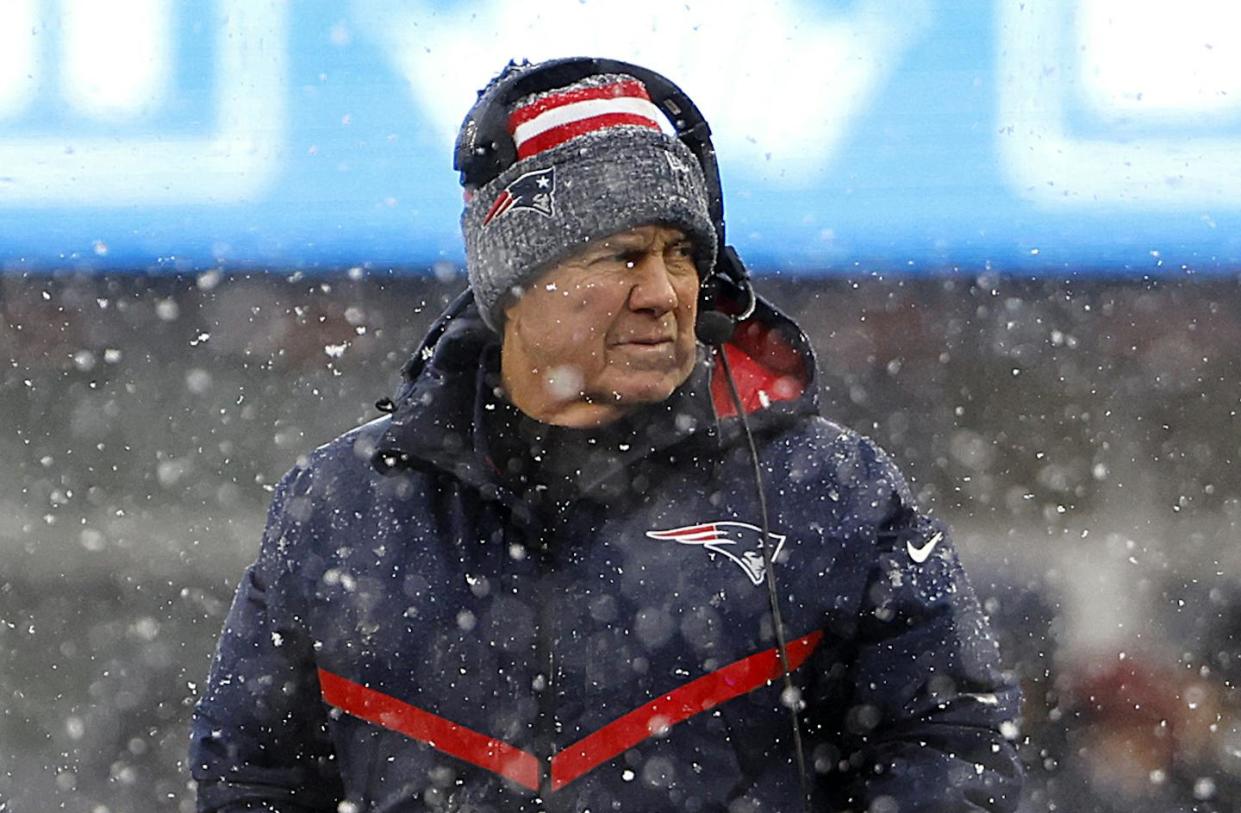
[{"x": 419, "y": 632}]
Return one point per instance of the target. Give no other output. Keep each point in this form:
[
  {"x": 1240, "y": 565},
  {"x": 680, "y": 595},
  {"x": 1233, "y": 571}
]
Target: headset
[{"x": 485, "y": 149}]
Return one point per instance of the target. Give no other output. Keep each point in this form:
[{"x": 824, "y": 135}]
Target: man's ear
[{"x": 508, "y": 305}]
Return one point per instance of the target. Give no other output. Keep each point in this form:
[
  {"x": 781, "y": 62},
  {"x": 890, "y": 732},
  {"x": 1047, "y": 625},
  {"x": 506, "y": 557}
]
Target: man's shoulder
[
  {"x": 817, "y": 435},
  {"x": 344, "y": 459},
  {"x": 351, "y": 451},
  {"x": 821, "y": 449}
]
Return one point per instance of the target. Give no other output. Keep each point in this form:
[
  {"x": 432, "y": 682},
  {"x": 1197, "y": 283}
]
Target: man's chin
[{"x": 658, "y": 388}]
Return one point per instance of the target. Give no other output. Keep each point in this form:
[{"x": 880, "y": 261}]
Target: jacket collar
[{"x": 437, "y": 421}]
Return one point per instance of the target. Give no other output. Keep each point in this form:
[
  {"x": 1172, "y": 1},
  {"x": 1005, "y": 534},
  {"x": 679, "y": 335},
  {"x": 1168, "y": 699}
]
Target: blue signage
[{"x": 1062, "y": 136}]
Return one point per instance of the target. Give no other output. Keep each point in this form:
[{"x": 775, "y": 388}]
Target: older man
[{"x": 551, "y": 579}]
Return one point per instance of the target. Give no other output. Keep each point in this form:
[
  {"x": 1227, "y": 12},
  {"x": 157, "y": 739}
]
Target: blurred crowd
[
  {"x": 1155, "y": 729},
  {"x": 1066, "y": 428}
]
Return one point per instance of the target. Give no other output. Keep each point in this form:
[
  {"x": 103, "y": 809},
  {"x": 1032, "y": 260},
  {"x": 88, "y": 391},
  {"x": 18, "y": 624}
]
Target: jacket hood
[{"x": 436, "y": 420}]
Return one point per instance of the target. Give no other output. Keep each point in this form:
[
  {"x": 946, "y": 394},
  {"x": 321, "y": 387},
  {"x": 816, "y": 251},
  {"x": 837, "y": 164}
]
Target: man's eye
[
  {"x": 681, "y": 253},
  {"x": 609, "y": 259}
]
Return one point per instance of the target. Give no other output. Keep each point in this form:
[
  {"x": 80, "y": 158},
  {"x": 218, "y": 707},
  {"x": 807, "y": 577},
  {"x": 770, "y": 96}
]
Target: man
[{"x": 544, "y": 583}]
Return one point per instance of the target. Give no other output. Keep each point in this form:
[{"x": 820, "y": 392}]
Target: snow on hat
[{"x": 592, "y": 160}]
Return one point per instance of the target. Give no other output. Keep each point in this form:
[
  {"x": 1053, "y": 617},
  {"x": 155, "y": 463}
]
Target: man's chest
[
  {"x": 586, "y": 636},
  {"x": 674, "y": 585}
]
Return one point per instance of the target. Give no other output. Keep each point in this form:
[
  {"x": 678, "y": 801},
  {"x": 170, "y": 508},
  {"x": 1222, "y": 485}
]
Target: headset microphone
[{"x": 714, "y": 328}]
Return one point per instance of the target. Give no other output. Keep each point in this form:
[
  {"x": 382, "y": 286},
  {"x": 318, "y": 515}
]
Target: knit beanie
[{"x": 592, "y": 160}]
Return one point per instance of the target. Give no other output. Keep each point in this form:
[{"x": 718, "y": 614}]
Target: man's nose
[{"x": 652, "y": 288}]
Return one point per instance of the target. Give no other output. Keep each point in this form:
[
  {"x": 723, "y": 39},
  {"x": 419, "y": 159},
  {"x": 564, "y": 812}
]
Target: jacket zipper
[
  {"x": 546, "y": 729},
  {"x": 545, "y": 668}
]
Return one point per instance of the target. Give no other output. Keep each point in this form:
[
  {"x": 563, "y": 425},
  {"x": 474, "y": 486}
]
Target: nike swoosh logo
[{"x": 921, "y": 554}]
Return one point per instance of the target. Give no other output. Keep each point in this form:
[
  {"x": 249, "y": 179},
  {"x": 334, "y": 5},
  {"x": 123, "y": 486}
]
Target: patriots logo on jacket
[
  {"x": 739, "y": 541},
  {"x": 532, "y": 191}
]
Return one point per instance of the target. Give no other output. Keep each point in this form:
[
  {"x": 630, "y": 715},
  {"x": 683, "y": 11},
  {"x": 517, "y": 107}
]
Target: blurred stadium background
[{"x": 1013, "y": 231}]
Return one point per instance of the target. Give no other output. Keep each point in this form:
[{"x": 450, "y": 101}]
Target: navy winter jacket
[{"x": 418, "y": 635}]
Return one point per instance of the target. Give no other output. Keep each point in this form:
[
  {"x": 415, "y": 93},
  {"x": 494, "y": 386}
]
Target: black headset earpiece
[{"x": 484, "y": 149}]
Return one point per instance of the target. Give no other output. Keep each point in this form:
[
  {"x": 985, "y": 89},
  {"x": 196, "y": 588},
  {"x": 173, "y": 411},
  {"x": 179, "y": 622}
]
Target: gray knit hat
[{"x": 592, "y": 161}]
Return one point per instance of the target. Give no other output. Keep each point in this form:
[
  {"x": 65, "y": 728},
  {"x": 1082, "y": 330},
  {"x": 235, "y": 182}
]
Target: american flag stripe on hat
[{"x": 557, "y": 117}]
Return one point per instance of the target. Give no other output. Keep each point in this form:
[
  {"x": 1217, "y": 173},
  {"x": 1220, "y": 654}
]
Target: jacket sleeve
[
  {"x": 258, "y": 739},
  {"x": 928, "y": 718}
]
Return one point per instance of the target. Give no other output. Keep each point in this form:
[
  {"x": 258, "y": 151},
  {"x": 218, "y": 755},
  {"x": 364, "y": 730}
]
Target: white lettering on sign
[
  {"x": 237, "y": 157},
  {"x": 781, "y": 85},
  {"x": 1152, "y": 59},
  {"x": 18, "y": 69},
  {"x": 1139, "y": 72},
  {"x": 115, "y": 55}
]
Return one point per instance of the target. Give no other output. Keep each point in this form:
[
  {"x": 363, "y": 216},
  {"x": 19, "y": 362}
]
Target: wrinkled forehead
[{"x": 645, "y": 236}]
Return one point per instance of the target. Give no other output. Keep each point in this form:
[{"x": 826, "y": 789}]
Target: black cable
[{"x": 790, "y": 696}]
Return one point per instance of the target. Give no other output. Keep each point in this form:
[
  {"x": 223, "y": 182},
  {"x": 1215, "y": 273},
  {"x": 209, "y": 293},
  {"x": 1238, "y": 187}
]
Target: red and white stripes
[{"x": 557, "y": 117}]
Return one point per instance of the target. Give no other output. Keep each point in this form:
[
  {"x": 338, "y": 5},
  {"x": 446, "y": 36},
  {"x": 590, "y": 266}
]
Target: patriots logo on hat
[
  {"x": 532, "y": 191},
  {"x": 741, "y": 542}
]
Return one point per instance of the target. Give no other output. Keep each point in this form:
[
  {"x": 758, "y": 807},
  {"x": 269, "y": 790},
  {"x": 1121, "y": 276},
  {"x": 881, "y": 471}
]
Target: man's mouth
[
  {"x": 644, "y": 343},
  {"x": 653, "y": 335}
]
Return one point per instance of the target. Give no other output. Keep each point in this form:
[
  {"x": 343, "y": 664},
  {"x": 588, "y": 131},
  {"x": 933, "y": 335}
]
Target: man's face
[{"x": 605, "y": 330}]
